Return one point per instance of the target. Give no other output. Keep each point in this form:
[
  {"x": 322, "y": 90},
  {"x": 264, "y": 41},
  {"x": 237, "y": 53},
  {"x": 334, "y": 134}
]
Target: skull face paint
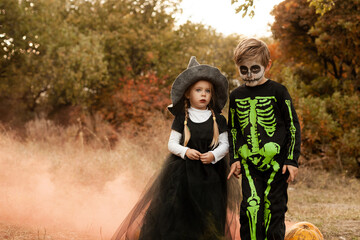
[{"x": 251, "y": 71}]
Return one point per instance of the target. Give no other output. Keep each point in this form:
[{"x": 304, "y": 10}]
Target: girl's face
[{"x": 200, "y": 94}]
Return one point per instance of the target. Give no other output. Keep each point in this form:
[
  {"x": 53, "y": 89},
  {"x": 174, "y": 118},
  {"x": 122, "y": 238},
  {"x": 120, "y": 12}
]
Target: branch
[{"x": 245, "y": 7}]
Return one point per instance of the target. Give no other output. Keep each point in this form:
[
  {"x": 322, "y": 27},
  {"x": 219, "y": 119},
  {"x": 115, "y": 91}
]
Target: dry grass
[
  {"x": 21, "y": 232},
  {"x": 54, "y": 187},
  {"x": 52, "y": 181},
  {"x": 329, "y": 201}
]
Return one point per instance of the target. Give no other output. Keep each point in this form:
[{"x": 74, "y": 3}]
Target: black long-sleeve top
[{"x": 263, "y": 126}]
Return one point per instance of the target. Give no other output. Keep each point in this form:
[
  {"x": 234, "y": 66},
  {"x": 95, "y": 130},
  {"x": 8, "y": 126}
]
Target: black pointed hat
[{"x": 191, "y": 75}]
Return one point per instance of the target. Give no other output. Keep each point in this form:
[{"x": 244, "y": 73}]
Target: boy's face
[{"x": 252, "y": 72}]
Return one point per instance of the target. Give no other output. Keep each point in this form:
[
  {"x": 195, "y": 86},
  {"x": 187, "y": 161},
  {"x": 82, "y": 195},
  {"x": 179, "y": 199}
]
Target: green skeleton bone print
[
  {"x": 251, "y": 113},
  {"x": 257, "y": 111}
]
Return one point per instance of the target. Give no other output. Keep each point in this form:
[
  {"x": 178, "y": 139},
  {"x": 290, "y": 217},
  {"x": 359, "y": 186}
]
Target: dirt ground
[
  {"x": 17, "y": 232},
  {"x": 45, "y": 183},
  {"x": 329, "y": 201}
]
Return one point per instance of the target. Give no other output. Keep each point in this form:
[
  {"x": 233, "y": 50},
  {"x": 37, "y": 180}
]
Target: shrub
[
  {"x": 319, "y": 129},
  {"x": 135, "y": 100}
]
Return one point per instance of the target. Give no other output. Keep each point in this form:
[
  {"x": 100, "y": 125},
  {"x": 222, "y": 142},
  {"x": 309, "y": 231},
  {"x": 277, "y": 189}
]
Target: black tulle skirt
[{"x": 186, "y": 200}]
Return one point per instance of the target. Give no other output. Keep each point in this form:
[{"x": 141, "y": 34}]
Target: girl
[{"x": 190, "y": 198}]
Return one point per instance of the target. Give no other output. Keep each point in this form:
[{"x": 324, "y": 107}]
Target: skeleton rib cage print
[
  {"x": 254, "y": 112},
  {"x": 259, "y": 111}
]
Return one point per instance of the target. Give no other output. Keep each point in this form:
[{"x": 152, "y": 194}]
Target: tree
[
  {"x": 293, "y": 21},
  {"x": 135, "y": 100},
  {"x": 321, "y": 6},
  {"x": 50, "y": 64},
  {"x": 328, "y": 42},
  {"x": 19, "y": 46},
  {"x": 82, "y": 53},
  {"x": 337, "y": 34},
  {"x": 137, "y": 35},
  {"x": 245, "y": 7}
]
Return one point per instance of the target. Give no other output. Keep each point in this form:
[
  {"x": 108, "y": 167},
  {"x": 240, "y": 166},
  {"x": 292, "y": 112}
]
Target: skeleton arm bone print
[{"x": 292, "y": 126}]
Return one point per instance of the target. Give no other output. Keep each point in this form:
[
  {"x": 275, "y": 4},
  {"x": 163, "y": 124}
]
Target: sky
[{"x": 220, "y": 14}]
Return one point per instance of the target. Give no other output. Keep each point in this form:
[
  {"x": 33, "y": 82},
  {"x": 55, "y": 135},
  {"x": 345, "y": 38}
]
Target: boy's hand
[
  {"x": 235, "y": 169},
  {"x": 193, "y": 154},
  {"x": 292, "y": 170},
  {"x": 207, "y": 158}
]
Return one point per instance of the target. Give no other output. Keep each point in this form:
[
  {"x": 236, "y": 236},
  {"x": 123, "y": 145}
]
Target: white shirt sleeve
[
  {"x": 174, "y": 145},
  {"x": 222, "y": 149}
]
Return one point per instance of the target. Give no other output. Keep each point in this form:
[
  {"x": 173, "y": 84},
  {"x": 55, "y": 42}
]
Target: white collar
[{"x": 199, "y": 116}]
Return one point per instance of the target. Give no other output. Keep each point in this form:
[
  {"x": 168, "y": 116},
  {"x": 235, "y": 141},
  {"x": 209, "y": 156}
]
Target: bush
[
  {"x": 329, "y": 121},
  {"x": 345, "y": 109},
  {"x": 135, "y": 100},
  {"x": 319, "y": 129}
]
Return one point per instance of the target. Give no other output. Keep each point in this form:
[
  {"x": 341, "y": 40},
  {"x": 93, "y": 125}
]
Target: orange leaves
[
  {"x": 134, "y": 100},
  {"x": 149, "y": 56},
  {"x": 290, "y": 5},
  {"x": 275, "y": 52}
]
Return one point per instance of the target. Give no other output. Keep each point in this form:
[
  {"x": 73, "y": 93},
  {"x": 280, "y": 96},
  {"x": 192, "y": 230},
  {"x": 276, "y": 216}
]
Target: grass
[
  {"x": 52, "y": 186},
  {"x": 329, "y": 201}
]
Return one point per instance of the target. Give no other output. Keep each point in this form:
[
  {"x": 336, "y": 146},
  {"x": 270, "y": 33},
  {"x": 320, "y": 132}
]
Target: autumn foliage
[
  {"x": 114, "y": 61},
  {"x": 135, "y": 100}
]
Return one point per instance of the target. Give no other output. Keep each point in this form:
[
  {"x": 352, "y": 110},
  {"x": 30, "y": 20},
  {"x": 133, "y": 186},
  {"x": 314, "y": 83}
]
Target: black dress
[{"x": 187, "y": 199}]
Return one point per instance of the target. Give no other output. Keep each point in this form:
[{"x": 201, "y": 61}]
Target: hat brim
[{"x": 191, "y": 76}]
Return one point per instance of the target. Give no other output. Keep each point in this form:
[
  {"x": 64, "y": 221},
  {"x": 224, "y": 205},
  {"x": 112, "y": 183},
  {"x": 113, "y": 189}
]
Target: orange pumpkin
[{"x": 303, "y": 231}]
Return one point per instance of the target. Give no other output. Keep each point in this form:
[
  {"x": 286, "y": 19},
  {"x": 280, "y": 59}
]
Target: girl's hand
[
  {"x": 193, "y": 154},
  {"x": 207, "y": 158},
  {"x": 235, "y": 169}
]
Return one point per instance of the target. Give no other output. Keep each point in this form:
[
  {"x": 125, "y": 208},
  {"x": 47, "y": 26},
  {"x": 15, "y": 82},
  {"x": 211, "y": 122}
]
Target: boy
[{"x": 264, "y": 137}]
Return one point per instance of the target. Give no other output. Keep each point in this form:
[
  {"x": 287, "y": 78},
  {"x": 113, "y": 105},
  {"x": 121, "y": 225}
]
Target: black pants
[{"x": 262, "y": 212}]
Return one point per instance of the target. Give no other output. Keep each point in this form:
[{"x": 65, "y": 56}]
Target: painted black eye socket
[
  {"x": 244, "y": 70},
  {"x": 255, "y": 69}
]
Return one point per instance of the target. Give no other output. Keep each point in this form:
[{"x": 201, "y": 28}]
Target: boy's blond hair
[{"x": 252, "y": 49}]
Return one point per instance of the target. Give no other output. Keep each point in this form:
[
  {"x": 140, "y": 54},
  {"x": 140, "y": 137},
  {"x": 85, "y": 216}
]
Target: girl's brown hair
[{"x": 187, "y": 134}]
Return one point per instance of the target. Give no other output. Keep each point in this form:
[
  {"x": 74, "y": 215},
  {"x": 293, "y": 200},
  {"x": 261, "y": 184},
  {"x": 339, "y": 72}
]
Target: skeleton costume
[
  {"x": 264, "y": 134},
  {"x": 188, "y": 199}
]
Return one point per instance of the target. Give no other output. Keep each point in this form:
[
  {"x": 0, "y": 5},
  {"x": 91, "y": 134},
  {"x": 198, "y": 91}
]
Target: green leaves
[
  {"x": 247, "y": 6},
  {"x": 76, "y": 52},
  {"x": 322, "y": 6}
]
